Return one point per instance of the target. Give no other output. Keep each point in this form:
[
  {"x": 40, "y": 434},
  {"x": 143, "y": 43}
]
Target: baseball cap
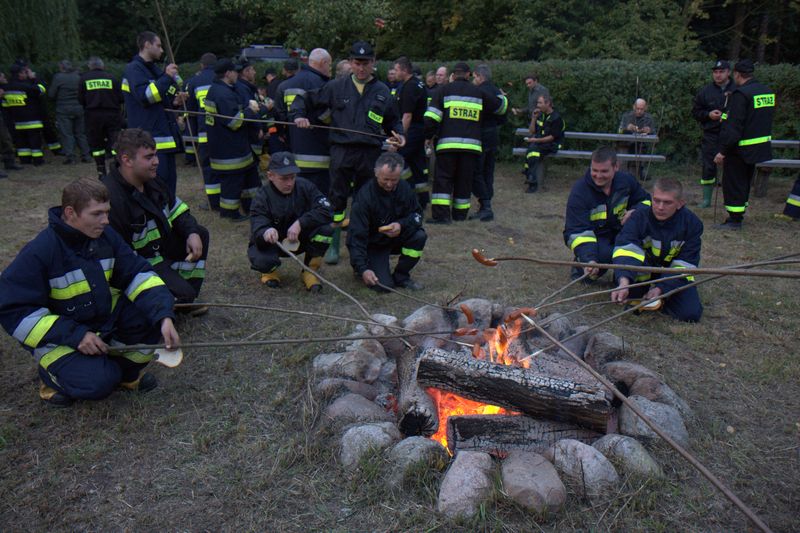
[
  {"x": 461, "y": 67},
  {"x": 721, "y": 64},
  {"x": 283, "y": 163},
  {"x": 362, "y": 50},
  {"x": 222, "y": 66},
  {"x": 745, "y": 66},
  {"x": 242, "y": 65}
]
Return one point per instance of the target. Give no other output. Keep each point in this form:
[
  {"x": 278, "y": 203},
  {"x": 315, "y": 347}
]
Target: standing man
[
  {"x": 309, "y": 146},
  {"x": 77, "y": 290},
  {"x": 22, "y": 101},
  {"x": 547, "y": 129},
  {"x": 744, "y": 140},
  {"x": 69, "y": 113},
  {"x": 101, "y": 97},
  {"x": 442, "y": 76},
  {"x": 247, "y": 89},
  {"x": 197, "y": 88},
  {"x": 535, "y": 90},
  {"x": 149, "y": 91},
  {"x": 278, "y": 133},
  {"x": 483, "y": 181},
  {"x": 710, "y": 105},
  {"x": 291, "y": 209},
  {"x": 667, "y": 235},
  {"x": 6, "y": 144},
  {"x": 154, "y": 222},
  {"x": 386, "y": 219},
  {"x": 230, "y": 155},
  {"x": 454, "y": 118},
  {"x": 599, "y": 204},
  {"x": 413, "y": 100},
  {"x": 359, "y": 103}
]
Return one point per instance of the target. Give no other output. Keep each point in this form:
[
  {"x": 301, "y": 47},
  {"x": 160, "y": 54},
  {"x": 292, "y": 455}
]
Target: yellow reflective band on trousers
[
  {"x": 410, "y": 252},
  {"x": 142, "y": 282},
  {"x": 461, "y": 203},
  {"x": 235, "y": 163},
  {"x": 322, "y": 238},
  {"x": 441, "y": 199},
  {"x": 794, "y": 200},
  {"x": 312, "y": 161},
  {"x": 190, "y": 269},
  {"x": 736, "y": 208},
  {"x": 756, "y": 140},
  {"x": 213, "y": 188},
  {"x": 28, "y": 125},
  {"x": 533, "y": 154},
  {"x": 98, "y": 153}
]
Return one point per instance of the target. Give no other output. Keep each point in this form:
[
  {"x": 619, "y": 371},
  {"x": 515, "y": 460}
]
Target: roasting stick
[
  {"x": 677, "y": 447},
  {"x": 562, "y": 289}
]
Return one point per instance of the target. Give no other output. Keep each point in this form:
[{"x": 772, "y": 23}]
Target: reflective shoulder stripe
[
  {"x": 142, "y": 282},
  {"x": 108, "y": 267},
  {"x": 152, "y": 94},
  {"x": 125, "y": 86}
]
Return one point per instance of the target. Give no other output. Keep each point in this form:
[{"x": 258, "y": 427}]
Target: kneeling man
[
  {"x": 667, "y": 235},
  {"x": 386, "y": 219},
  {"x": 289, "y": 209},
  {"x": 76, "y": 291}
]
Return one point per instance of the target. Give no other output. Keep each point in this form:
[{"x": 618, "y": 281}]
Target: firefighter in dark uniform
[
  {"x": 23, "y": 103},
  {"x": 101, "y": 97},
  {"x": 309, "y": 146},
  {"x": 148, "y": 92},
  {"x": 229, "y": 151},
  {"x": 77, "y": 290},
  {"x": 413, "y": 100},
  {"x": 197, "y": 88},
  {"x": 359, "y": 102},
  {"x": 248, "y": 90},
  {"x": 48, "y": 128},
  {"x": 290, "y": 209},
  {"x": 598, "y": 206},
  {"x": 667, "y": 235},
  {"x": 483, "y": 182},
  {"x": 791, "y": 211},
  {"x": 710, "y": 105},
  {"x": 454, "y": 118},
  {"x": 154, "y": 222},
  {"x": 547, "y": 128},
  {"x": 386, "y": 219},
  {"x": 744, "y": 140},
  {"x": 7, "y": 152}
]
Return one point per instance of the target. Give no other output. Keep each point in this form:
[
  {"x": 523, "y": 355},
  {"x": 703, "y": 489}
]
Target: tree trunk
[
  {"x": 763, "y": 29},
  {"x": 739, "y": 16},
  {"x": 541, "y": 395},
  {"x": 499, "y": 434},
  {"x": 416, "y": 410}
]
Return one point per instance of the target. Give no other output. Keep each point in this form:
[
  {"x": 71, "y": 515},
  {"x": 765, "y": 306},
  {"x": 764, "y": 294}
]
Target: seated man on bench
[
  {"x": 637, "y": 122},
  {"x": 547, "y": 129}
]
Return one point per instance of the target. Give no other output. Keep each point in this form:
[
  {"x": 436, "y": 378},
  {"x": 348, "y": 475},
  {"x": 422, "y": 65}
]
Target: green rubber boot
[
  {"x": 708, "y": 191},
  {"x": 332, "y": 254}
]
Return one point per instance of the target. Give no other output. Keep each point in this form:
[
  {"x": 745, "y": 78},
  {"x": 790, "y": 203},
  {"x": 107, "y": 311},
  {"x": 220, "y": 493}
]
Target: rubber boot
[
  {"x": 271, "y": 279},
  {"x": 332, "y": 255},
  {"x": 708, "y": 191},
  {"x": 311, "y": 281}
]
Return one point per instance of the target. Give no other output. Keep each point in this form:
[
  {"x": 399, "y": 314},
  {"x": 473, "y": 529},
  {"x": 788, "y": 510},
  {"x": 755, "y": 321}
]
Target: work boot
[
  {"x": 311, "y": 281},
  {"x": 730, "y": 224},
  {"x": 708, "y": 191},
  {"x": 53, "y": 397},
  {"x": 271, "y": 279},
  {"x": 332, "y": 254},
  {"x": 410, "y": 284},
  {"x": 145, "y": 383}
]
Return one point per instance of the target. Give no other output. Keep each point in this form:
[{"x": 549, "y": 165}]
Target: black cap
[
  {"x": 222, "y": 66},
  {"x": 721, "y": 64},
  {"x": 291, "y": 65},
  {"x": 745, "y": 66},
  {"x": 283, "y": 163},
  {"x": 461, "y": 67},
  {"x": 15, "y": 69},
  {"x": 362, "y": 50},
  {"x": 242, "y": 65}
]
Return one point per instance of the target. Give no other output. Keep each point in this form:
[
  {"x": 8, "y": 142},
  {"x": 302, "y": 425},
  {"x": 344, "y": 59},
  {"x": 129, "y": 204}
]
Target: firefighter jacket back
[
  {"x": 228, "y": 143},
  {"x": 64, "y": 284},
  {"x": 709, "y": 98},
  {"x": 198, "y": 87},
  {"x": 592, "y": 215},
  {"x": 494, "y": 117},
  {"x": 151, "y": 221},
  {"x": 98, "y": 90},
  {"x": 373, "y": 111},
  {"x": 455, "y": 115},
  {"x": 672, "y": 243},
  {"x": 22, "y": 102},
  {"x": 273, "y": 209},
  {"x": 247, "y": 91},
  {"x": 374, "y": 207},
  {"x": 148, "y": 92},
  {"x": 309, "y": 146},
  {"x": 748, "y": 127}
]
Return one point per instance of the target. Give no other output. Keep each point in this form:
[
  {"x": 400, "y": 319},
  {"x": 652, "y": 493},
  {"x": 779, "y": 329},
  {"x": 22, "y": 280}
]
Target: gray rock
[
  {"x": 467, "y": 484},
  {"x": 360, "y": 330},
  {"x": 388, "y": 374},
  {"x": 360, "y": 440},
  {"x": 665, "y": 416},
  {"x": 592, "y": 475},
  {"x": 352, "y": 407},
  {"x": 603, "y": 348},
  {"x": 357, "y": 365},
  {"x": 626, "y": 372},
  {"x": 371, "y": 347},
  {"x": 427, "y": 318},
  {"x": 332, "y": 387},
  {"x": 385, "y": 320},
  {"x": 656, "y": 390},
  {"x": 531, "y": 480},
  {"x": 558, "y": 325},
  {"x": 578, "y": 344},
  {"x": 629, "y": 454},
  {"x": 481, "y": 312},
  {"x": 410, "y": 452}
]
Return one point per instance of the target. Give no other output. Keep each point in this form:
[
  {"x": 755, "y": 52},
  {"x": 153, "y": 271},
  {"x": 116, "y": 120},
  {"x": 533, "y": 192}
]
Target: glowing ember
[{"x": 449, "y": 404}]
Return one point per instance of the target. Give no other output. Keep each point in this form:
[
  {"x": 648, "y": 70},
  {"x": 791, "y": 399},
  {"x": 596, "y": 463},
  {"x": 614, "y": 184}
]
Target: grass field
[{"x": 229, "y": 440}]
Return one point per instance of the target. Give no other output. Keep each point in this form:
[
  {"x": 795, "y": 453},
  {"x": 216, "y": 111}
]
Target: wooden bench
[
  {"x": 764, "y": 169},
  {"x": 588, "y": 136},
  {"x": 583, "y": 154}
]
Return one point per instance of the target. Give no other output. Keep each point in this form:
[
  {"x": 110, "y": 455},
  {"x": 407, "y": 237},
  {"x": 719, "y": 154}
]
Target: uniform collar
[{"x": 70, "y": 235}]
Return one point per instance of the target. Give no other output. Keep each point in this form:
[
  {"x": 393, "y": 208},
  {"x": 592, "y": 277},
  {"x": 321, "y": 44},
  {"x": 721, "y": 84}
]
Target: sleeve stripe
[{"x": 142, "y": 282}]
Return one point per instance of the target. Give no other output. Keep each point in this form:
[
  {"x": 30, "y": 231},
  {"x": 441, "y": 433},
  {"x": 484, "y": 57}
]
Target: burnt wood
[{"x": 415, "y": 408}]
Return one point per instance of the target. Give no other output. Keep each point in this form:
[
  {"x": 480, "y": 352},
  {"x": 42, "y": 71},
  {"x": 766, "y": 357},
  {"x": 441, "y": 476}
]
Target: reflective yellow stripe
[
  {"x": 582, "y": 240},
  {"x": 756, "y": 140},
  {"x": 533, "y": 154},
  {"x": 338, "y": 217},
  {"x": 71, "y": 291},
  {"x": 54, "y": 354},
  {"x": 125, "y": 87},
  {"x": 139, "y": 285},
  {"x": 152, "y": 94},
  {"x": 458, "y": 146},
  {"x": 462, "y": 103},
  {"x": 376, "y": 117},
  {"x": 599, "y": 215},
  {"x": 410, "y": 252},
  {"x": 40, "y": 330},
  {"x": 92, "y": 85},
  {"x": 736, "y": 208},
  {"x": 178, "y": 211},
  {"x": 622, "y": 252},
  {"x": 321, "y": 238}
]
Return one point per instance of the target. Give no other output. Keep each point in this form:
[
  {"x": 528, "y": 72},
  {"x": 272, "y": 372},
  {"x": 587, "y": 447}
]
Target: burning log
[
  {"x": 503, "y": 433},
  {"x": 415, "y": 408},
  {"x": 583, "y": 402}
]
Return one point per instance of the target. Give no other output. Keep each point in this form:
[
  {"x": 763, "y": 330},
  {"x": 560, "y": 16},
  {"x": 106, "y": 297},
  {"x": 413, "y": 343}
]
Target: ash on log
[
  {"x": 503, "y": 433},
  {"x": 585, "y": 403},
  {"x": 415, "y": 408}
]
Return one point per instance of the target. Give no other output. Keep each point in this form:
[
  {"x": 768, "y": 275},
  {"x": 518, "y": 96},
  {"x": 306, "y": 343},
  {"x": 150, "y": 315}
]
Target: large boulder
[
  {"x": 603, "y": 348},
  {"x": 360, "y": 440},
  {"x": 588, "y": 470},
  {"x": 666, "y": 417},
  {"x": 466, "y": 485},
  {"x": 656, "y": 390},
  {"x": 531, "y": 480},
  {"x": 407, "y": 454},
  {"x": 354, "y": 408},
  {"x": 358, "y": 365},
  {"x": 428, "y": 318},
  {"x": 332, "y": 387},
  {"x": 481, "y": 312},
  {"x": 558, "y": 325},
  {"x": 629, "y": 454},
  {"x": 626, "y": 372},
  {"x": 578, "y": 344}
]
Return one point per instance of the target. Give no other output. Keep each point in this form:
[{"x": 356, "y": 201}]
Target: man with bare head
[
  {"x": 442, "y": 76},
  {"x": 343, "y": 69},
  {"x": 637, "y": 121}
]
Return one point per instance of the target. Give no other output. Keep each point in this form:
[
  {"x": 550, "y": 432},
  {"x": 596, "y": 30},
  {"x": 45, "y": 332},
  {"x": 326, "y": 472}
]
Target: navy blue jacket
[
  {"x": 592, "y": 215},
  {"x": 63, "y": 284},
  {"x": 273, "y": 209},
  {"x": 228, "y": 143},
  {"x": 644, "y": 240},
  {"x": 148, "y": 92},
  {"x": 198, "y": 87}
]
